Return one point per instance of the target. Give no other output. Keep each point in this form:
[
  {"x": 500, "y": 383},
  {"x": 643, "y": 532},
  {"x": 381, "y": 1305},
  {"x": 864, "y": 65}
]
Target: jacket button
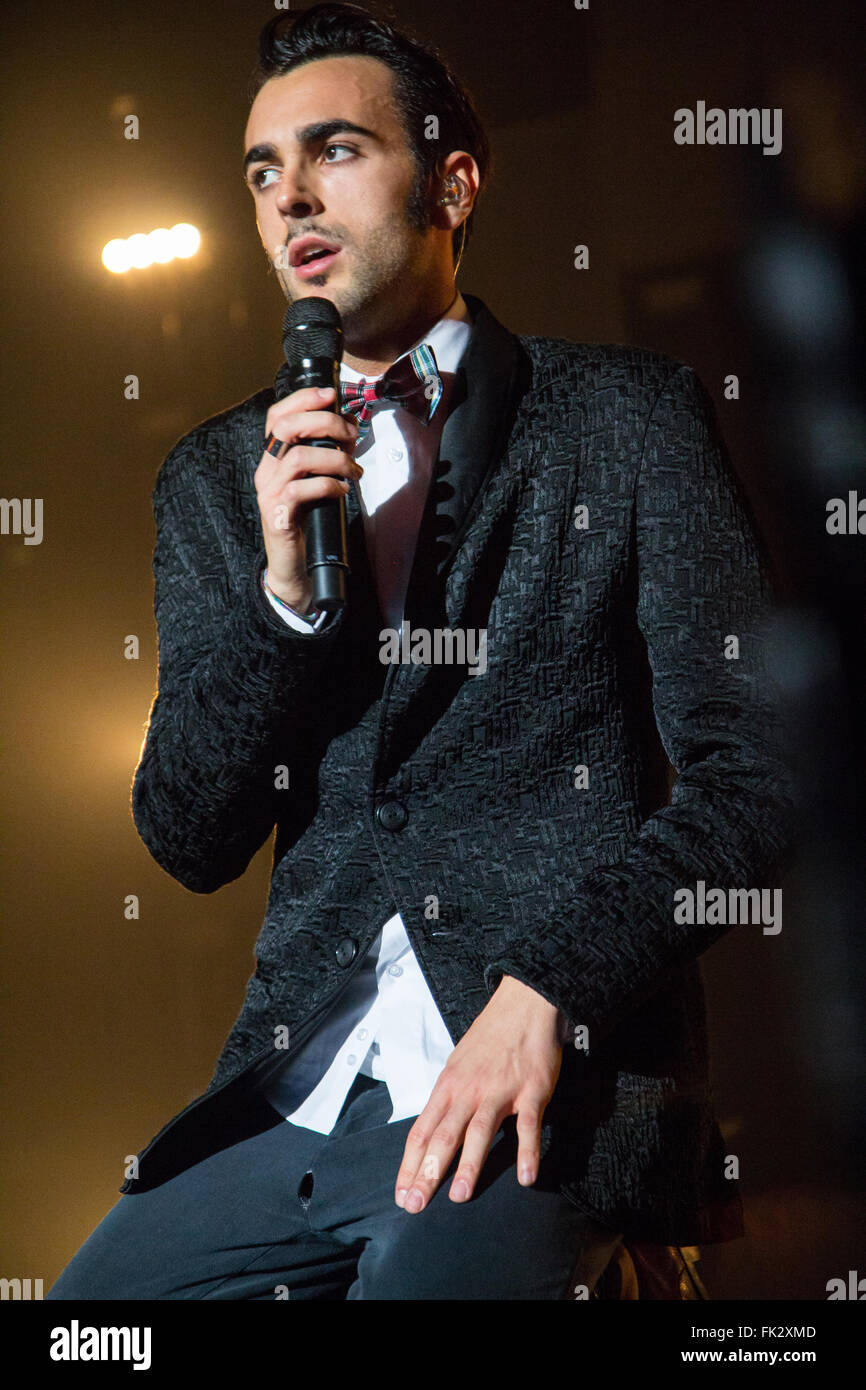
[
  {"x": 391, "y": 814},
  {"x": 345, "y": 951}
]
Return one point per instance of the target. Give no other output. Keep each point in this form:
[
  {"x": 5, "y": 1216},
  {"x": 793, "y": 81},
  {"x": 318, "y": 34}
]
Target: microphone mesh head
[{"x": 312, "y": 327}]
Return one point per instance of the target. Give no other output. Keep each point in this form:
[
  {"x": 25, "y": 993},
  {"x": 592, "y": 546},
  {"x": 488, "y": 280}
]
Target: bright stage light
[
  {"x": 159, "y": 246},
  {"x": 139, "y": 251},
  {"x": 115, "y": 256},
  {"x": 186, "y": 239}
]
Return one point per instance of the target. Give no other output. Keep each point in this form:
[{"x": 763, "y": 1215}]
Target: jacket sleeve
[
  {"x": 232, "y": 676},
  {"x": 701, "y": 580}
]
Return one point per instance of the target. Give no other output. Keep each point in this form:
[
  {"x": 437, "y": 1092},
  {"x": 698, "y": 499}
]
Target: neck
[{"x": 375, "y": 354}]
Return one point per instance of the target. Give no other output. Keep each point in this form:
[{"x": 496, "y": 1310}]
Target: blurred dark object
[
  {"x": 652, "y": 1272},
  {"x": 801, "y": 285},
  {"x": 784, "y": 310}
]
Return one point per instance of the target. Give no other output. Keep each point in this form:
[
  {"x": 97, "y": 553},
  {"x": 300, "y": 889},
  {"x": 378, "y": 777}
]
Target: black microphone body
[{"x": 313, "y": 348}]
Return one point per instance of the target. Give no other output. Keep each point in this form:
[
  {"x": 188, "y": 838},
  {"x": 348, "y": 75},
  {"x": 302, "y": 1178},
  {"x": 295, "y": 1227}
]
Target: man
[{"x": 472, "y": 1057}]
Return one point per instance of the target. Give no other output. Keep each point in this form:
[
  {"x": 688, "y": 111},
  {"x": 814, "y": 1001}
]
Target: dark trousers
[{"x": 283, "y": 1212}]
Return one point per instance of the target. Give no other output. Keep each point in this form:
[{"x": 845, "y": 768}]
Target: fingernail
[
  {"x": 415, "y": 1201},
  {"x": 324, "y": 390},
  {"x": 401, "y": 1196},
  {"x": 460, "y": 1190},
  {"x": 526, "y": 1175}
]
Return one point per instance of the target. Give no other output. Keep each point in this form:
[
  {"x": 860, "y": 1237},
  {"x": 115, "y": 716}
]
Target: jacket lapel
[{"x": 484, "y": 400}]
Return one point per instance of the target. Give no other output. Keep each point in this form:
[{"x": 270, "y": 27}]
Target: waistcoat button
[
  {"x": 391, "y": 814},
  {"x": 345, "y": 951}
]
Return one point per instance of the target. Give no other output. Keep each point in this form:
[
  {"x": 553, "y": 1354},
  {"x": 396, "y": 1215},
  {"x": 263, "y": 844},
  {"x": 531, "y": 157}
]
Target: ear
[{"x": 460, "y": 169}]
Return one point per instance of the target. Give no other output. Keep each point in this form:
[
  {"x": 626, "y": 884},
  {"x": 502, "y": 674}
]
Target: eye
[
  {"x": 260, "y": 180},
  {"x": 257, "y": 179},
  {"x": 348, "y": 148}
]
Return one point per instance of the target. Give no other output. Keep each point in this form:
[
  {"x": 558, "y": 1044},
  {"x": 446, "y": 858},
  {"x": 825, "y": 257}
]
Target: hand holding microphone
[{"x": 307, "y": 467}]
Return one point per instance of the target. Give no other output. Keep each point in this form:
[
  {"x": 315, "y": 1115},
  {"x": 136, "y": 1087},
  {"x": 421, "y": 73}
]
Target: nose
[{"x": 295, "y": 198}]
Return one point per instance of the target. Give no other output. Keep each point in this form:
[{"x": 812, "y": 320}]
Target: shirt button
[
  {"x": 395, "y": 455},
  {"x": 351, "y": 1060},
  {"x": 395, "y": 970},
  {"x": 361, "y": 1033}
]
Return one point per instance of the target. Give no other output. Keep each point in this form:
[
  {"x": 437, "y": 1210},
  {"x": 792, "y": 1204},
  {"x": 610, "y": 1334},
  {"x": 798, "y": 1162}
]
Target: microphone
[{"x": 313, "y": 348}]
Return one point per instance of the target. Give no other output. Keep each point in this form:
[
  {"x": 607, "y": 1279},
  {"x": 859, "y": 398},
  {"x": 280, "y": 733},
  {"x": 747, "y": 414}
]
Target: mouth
[{"x": 311, "y": 256}]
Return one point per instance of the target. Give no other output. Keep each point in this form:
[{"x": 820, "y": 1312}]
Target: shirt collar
[{"x": 449, "y": 338}]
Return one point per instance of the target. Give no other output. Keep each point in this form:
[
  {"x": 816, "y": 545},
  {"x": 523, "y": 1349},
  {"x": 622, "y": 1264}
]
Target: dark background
[{"x": 112, "y": 1026}]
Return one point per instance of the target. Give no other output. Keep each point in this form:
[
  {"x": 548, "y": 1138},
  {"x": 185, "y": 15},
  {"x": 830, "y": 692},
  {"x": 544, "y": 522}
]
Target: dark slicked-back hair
[{"x": 423, "y": 87}]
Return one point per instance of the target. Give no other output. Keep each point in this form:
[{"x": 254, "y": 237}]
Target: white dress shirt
[{"x": 385, "y": 1023}]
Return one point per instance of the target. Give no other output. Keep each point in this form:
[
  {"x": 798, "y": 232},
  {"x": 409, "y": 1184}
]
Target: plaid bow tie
[{"x": 413, "y": 381}]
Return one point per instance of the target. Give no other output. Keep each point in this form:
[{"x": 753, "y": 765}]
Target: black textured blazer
[{"x": 606, "y": 640}]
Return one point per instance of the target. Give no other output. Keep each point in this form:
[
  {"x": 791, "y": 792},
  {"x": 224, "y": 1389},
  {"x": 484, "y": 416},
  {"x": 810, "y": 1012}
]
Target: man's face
[{"x": 310, "y": 173}]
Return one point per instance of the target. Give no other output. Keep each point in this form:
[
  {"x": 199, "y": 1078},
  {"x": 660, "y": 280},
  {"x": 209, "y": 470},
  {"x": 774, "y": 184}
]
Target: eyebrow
[{"x": 307, "y": 135}]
